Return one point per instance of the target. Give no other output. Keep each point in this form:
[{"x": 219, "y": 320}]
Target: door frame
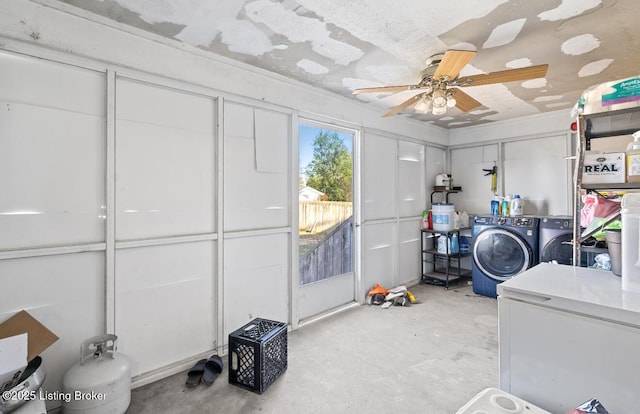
[{"x": 297, "y": 296}]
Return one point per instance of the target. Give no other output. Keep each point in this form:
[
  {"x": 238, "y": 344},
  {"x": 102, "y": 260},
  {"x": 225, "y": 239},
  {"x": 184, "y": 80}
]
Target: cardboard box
[
  {"x": 13, "y": 333},
  {"x": 603, "y": 168}
]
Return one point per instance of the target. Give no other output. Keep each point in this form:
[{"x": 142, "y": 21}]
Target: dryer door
[
  {"x": 560, "y": 249},
  {"x": 501, "y": 254}
]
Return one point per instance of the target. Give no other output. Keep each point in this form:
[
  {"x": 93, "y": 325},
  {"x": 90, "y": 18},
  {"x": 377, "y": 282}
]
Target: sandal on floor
[
  {"x": 212, "y": 368},
  {"x": 195, "y": 374}
]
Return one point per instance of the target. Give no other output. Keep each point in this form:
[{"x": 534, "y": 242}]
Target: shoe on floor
[
  {"x": 212, "y": 368},
  {"x": 195, "y": 374}
]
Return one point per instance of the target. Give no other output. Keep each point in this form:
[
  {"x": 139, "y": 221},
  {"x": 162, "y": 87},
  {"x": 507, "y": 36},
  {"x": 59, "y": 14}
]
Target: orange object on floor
[{"x": 378, "y": 289}]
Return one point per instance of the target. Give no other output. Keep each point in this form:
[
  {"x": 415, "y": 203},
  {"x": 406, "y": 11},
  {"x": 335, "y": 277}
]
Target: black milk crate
[{"x": 257, "y": 354}]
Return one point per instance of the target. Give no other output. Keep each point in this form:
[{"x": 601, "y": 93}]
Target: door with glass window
[{"x": 325, "y": 218}]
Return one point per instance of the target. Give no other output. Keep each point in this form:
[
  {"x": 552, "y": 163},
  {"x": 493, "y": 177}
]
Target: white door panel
[
  {"x": 409, "y": 256},
  {"x": 379, "y": 178},
  {"x": 410, "y": 184}
]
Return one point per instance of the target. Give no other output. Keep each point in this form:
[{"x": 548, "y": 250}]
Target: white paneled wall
[
  {"x": 52, "y": 201},
  {"x": 256, "y": 178},
  {"x": 379, "y": 178},
  {"x": 165, "y": 186},
  {"x": 409, "y": 256},
  {"x": 410, "y": 183},
  {"x": 256, "y": 273},
  {"x": 165, "y": 303},
  {"x": 537, "y": 170},
  {"x": 435, "y": 164},
  {"x": 52, "y": 154},
  {"x": 530, "y": 153},
  {"x": 394, "y": 196},
  {"x": 467, "y": 165},
  {"x": 161, "y": 293},
  {"x": 411, "y": 202},
  {"x": 165, "y": 162},
  {"x": 64, "y": 292},
  {"x": 257, "y": 199}
]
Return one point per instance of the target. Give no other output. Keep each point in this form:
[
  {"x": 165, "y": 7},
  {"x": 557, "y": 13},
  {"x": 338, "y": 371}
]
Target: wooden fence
[
  {"x": 331, "y": 257},
  {"x": 319, "y": 216}
]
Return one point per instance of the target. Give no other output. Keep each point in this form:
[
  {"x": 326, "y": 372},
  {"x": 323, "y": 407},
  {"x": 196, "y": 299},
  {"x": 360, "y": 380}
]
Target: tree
[{"x": 330, "y": 170}]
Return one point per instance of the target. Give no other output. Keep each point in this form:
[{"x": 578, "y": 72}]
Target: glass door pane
[{"x": 325, "y": 184}]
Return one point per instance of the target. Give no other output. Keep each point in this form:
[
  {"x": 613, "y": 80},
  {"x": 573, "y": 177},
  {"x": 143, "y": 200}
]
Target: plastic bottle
[
  {"x": 456, "y": 220},
  {"x": 506, "y": 204},
  {"x": 517, "y": 206},
  {"x": 464, "y": 245},
  {"x": 464, "y": 219},
  {"x": 424, "y": 223},
  {"x": 495, "y": 207},
  {"x": 633, "y": 159},
  {"x": 444, "y": 244},
  {"x": 454, "y": 244}
]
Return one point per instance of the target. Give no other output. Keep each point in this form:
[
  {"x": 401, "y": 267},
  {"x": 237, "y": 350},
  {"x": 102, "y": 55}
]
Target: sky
[{"x": 306, "y": 135}]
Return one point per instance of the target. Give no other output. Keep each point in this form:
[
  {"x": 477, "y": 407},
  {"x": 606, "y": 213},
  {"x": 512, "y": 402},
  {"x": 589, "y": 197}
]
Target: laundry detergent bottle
[
  {"x": 517, "y": 206},
  {"x": 444, "y": 244},
  {"x": 506, "y": 206},
  {"x": 455, "y": 246}
]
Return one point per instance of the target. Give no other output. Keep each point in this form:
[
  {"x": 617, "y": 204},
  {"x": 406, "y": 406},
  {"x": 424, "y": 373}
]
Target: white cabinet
[{"x": 569, "y": 334}]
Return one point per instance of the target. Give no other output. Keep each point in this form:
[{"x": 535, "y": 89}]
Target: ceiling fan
[{"x": 439, "y": 83}]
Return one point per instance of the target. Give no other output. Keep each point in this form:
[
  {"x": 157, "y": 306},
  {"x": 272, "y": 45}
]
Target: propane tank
[{"x": 101, "y": 382}]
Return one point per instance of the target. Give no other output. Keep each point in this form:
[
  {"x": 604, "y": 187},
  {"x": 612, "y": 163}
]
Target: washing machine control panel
[
  {"x": 522, "y": 221},
  {"x": 509, "y": 221}
]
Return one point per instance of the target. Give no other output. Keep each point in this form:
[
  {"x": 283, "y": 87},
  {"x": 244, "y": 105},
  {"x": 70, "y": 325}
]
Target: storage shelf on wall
[
  {"x": 597, "y": 126},
  {"x": 611, "y": 186}
]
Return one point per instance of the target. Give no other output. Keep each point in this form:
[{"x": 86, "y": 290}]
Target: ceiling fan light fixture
[
  {"x": 424, "y": 105},
  {"x": 451, "y": 101},
  {"x": 439, "y": 110},
  {"x": 439, "y": 98}
]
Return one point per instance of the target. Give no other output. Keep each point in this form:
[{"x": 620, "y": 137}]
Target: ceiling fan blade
[
  {"x": 510, "y": 75},
  {"x": 398, "y": 88},
  {"x": 453, "y": 62},
  {"x": 464, "y": 102},
  {"x": 403, "y": 105}
]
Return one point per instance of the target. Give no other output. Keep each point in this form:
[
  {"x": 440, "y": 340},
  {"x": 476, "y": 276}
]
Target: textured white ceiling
[{"x": 349, "y": 44}]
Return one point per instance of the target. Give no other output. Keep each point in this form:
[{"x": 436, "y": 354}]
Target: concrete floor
[{"x": 431, "y": 357}]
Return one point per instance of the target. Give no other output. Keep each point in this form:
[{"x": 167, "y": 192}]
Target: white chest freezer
[{"x": 567, "y": 335}]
